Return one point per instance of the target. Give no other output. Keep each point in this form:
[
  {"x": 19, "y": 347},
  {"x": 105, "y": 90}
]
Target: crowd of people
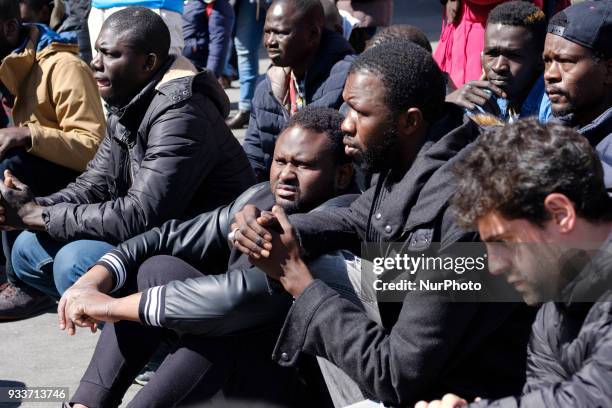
[{"x": 246, "y": 269}]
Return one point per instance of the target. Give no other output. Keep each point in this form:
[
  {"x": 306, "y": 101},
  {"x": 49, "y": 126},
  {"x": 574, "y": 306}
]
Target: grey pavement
[{"x": 35, "y": 353}]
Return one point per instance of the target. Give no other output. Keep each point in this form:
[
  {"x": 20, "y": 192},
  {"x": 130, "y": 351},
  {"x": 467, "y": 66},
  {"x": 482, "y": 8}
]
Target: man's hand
[
  {"x": 14, "y": 137},
  {"x": 448, "y": 401},
  {"x": 18, "y": 206},
  {"x": 477, "y": 93},
  {"x": 83, "y": 305},
  {"x": 250, "y": 236},
  {"x": 284, "y": 262},
  {"x": 97, "y": 281},
  {"x": 453, "y": 11}
]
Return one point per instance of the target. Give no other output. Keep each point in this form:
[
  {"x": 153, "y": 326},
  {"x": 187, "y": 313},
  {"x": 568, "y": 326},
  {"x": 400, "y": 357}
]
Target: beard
[{"x": 376, "y": 158}]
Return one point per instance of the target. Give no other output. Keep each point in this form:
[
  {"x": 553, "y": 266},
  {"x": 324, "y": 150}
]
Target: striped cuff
[
  {"x": 115, "y": 262},
  {"x": 151, "y": 307}
]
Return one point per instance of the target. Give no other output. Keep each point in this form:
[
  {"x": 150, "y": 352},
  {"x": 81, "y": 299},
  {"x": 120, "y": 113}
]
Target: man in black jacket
[
  {"x": 167, "y": 154},
  {"x": 310, "y": 65},
  {"x": 547, "y": 222},
  {"x": 204, "y": 288},
  {"x": 398, "y": 120}
]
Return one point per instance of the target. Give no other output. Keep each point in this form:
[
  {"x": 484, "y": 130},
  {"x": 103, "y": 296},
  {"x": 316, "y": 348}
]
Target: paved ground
[{"x": 35, "y": 353}]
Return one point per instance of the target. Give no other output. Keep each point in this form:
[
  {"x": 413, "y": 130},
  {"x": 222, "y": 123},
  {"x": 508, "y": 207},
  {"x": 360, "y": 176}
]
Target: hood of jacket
[
  {"x": 599, "y": 133},
  {"x": 177, "y": 79},
  {"x": 40, "y": 43},
  {"x": 428, "y": 185},
  {"x": 333, "y": 48}
]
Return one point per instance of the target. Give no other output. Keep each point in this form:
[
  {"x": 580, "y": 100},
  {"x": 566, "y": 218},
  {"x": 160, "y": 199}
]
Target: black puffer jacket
[
  {"x": 167, "y": 154},
  {"x": 569, "y": 361}
]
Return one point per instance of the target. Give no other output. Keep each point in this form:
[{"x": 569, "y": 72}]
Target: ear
[
  {"x": 344, "y": 176},
  {"x": 11, "y": 28},
  {"x": 410, "y": 121},
  {"x": 561, "y": 211},
  {"x": 151, "y": 62},
  {"x": 315, "y": 34}
]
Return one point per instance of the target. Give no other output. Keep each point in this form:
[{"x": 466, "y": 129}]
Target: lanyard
[{"x": 297, "y": 99}]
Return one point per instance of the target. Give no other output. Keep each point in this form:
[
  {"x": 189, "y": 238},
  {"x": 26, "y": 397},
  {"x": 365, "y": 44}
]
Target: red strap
[
  {"x": 292, "y": 95},
  {"x": 209, "y": 8}
]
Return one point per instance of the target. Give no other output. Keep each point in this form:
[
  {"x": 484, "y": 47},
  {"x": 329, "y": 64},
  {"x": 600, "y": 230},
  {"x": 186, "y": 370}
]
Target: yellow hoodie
[{"x": 57, "y": 97}]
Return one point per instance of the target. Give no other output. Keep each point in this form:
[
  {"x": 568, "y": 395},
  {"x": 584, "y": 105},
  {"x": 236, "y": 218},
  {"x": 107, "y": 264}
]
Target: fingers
[
  {"x": 421, "y": 404},
  {"x": 16, "y": 183},
  {"x": 61, "y": 316},
  {"x": 453, "y": 401},
  {"x": 251, "y": 237},
  {"x": 283, "y": 220},
  {"x": 488, "y": 85}
]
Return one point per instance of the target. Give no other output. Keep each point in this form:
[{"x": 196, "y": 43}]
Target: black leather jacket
[
  {"x": 168, "y": 154},
  {"x": 232, "y": 297}
]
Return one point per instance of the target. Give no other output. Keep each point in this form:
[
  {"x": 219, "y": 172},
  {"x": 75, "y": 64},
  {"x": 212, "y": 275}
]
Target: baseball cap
[{"x": 588, "y": 24}]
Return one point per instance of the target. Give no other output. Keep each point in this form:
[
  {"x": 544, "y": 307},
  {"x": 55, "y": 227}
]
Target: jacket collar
[
  {"x": 40, "y": 42},
  {"x": 597, "y": 130},
  {"x": 333, "y": 48},
  {"x": 591, "y": 283},
  {"x": 421, "y": 194}
]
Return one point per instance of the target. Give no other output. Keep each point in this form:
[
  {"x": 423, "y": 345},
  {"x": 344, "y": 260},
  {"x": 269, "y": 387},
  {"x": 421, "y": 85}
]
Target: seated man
[
  {"x": 178, "y": 291},
  {"x": 578, "y": 74},
  {"x": 57, "y": 118},
  {"x": 310, "y": 65},
  {"x": 398, "y": 119},
  {"x": 512, "y": 86},
  {"x": 167, "y": 154},
  {"x": 555, "y": 196}
]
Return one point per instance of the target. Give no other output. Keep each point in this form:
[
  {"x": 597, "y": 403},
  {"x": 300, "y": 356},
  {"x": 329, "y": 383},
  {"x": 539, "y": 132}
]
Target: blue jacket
[
  {"x": 206, "y": 37},
  {"x": 172, "y": 5},
  {"x": 599, "y": 133},
  {"x": 324, "y": 83}
]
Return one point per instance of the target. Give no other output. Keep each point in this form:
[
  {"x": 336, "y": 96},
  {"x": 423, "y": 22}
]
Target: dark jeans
[
  {"x": 43, "y": 177},
  {"x": 194, "y": 371}
]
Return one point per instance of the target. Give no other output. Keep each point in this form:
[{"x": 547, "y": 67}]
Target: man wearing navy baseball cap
[{"x": 578, "y": 73}]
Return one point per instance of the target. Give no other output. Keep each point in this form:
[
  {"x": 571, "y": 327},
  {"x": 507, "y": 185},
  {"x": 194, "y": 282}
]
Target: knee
[
  {"x": 74, "y": 259},
  {"x": 23, "y": 258},
  {"x": 154, "y": 271}
]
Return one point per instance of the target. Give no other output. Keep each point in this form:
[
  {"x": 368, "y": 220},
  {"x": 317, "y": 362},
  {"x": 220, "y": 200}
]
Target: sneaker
[
  {"x": 145, "y": 376},
  {"x": 18, "y": 303}
]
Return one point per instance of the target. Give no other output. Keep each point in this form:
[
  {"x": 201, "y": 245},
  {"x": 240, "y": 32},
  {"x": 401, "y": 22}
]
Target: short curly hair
[
  {"x": 512, "y": 169},
  {"x": 143, "y": 29},
  {"x": 521, "y": 14},
  {"x": 400, "y": 31},
  {"x": 322, "y": 120},
  {"x": 409, "y": 74}
]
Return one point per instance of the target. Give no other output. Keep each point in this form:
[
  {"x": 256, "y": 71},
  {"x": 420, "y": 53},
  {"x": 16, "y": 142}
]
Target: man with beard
[
  {"x": 547, "y": 223},
  {"x": 578, "y": 73},
  {"x": 309, "y": 67},
  {"x": 309, "y": 168},
  {"x": 512, "y": 63},
  {"x": 167, "y": 154},
  {"x": 397, "y": 118}
]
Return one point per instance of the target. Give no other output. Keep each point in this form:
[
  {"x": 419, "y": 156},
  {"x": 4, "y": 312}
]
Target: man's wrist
[
  {"x": 296, "y": 277},
  {"x": 31, "y": 215}
]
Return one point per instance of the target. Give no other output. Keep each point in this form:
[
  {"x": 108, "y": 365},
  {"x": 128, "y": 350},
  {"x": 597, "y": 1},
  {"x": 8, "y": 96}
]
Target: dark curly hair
[
  {"x": 400, "y": 31},
  {"x": 512, "y": 169},
  {"x": 409, "y": 74},
  {"x": 144, "y": 30},
  {"x": 521, "y": 14},
  {"x": 322, "y": 120}
]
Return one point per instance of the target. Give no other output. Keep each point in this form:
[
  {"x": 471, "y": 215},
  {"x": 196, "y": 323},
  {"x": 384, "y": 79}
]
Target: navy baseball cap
[{"x": 588, "y": 24}]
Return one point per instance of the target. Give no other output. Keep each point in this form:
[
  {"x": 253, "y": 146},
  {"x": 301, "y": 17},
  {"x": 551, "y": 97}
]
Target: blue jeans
[
  {"x": 249, "y": 31},
  {"x": 51, "y": 266}
]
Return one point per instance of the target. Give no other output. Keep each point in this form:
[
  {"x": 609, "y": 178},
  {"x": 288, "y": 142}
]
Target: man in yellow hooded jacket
[{"x": 57, "y": 120}]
